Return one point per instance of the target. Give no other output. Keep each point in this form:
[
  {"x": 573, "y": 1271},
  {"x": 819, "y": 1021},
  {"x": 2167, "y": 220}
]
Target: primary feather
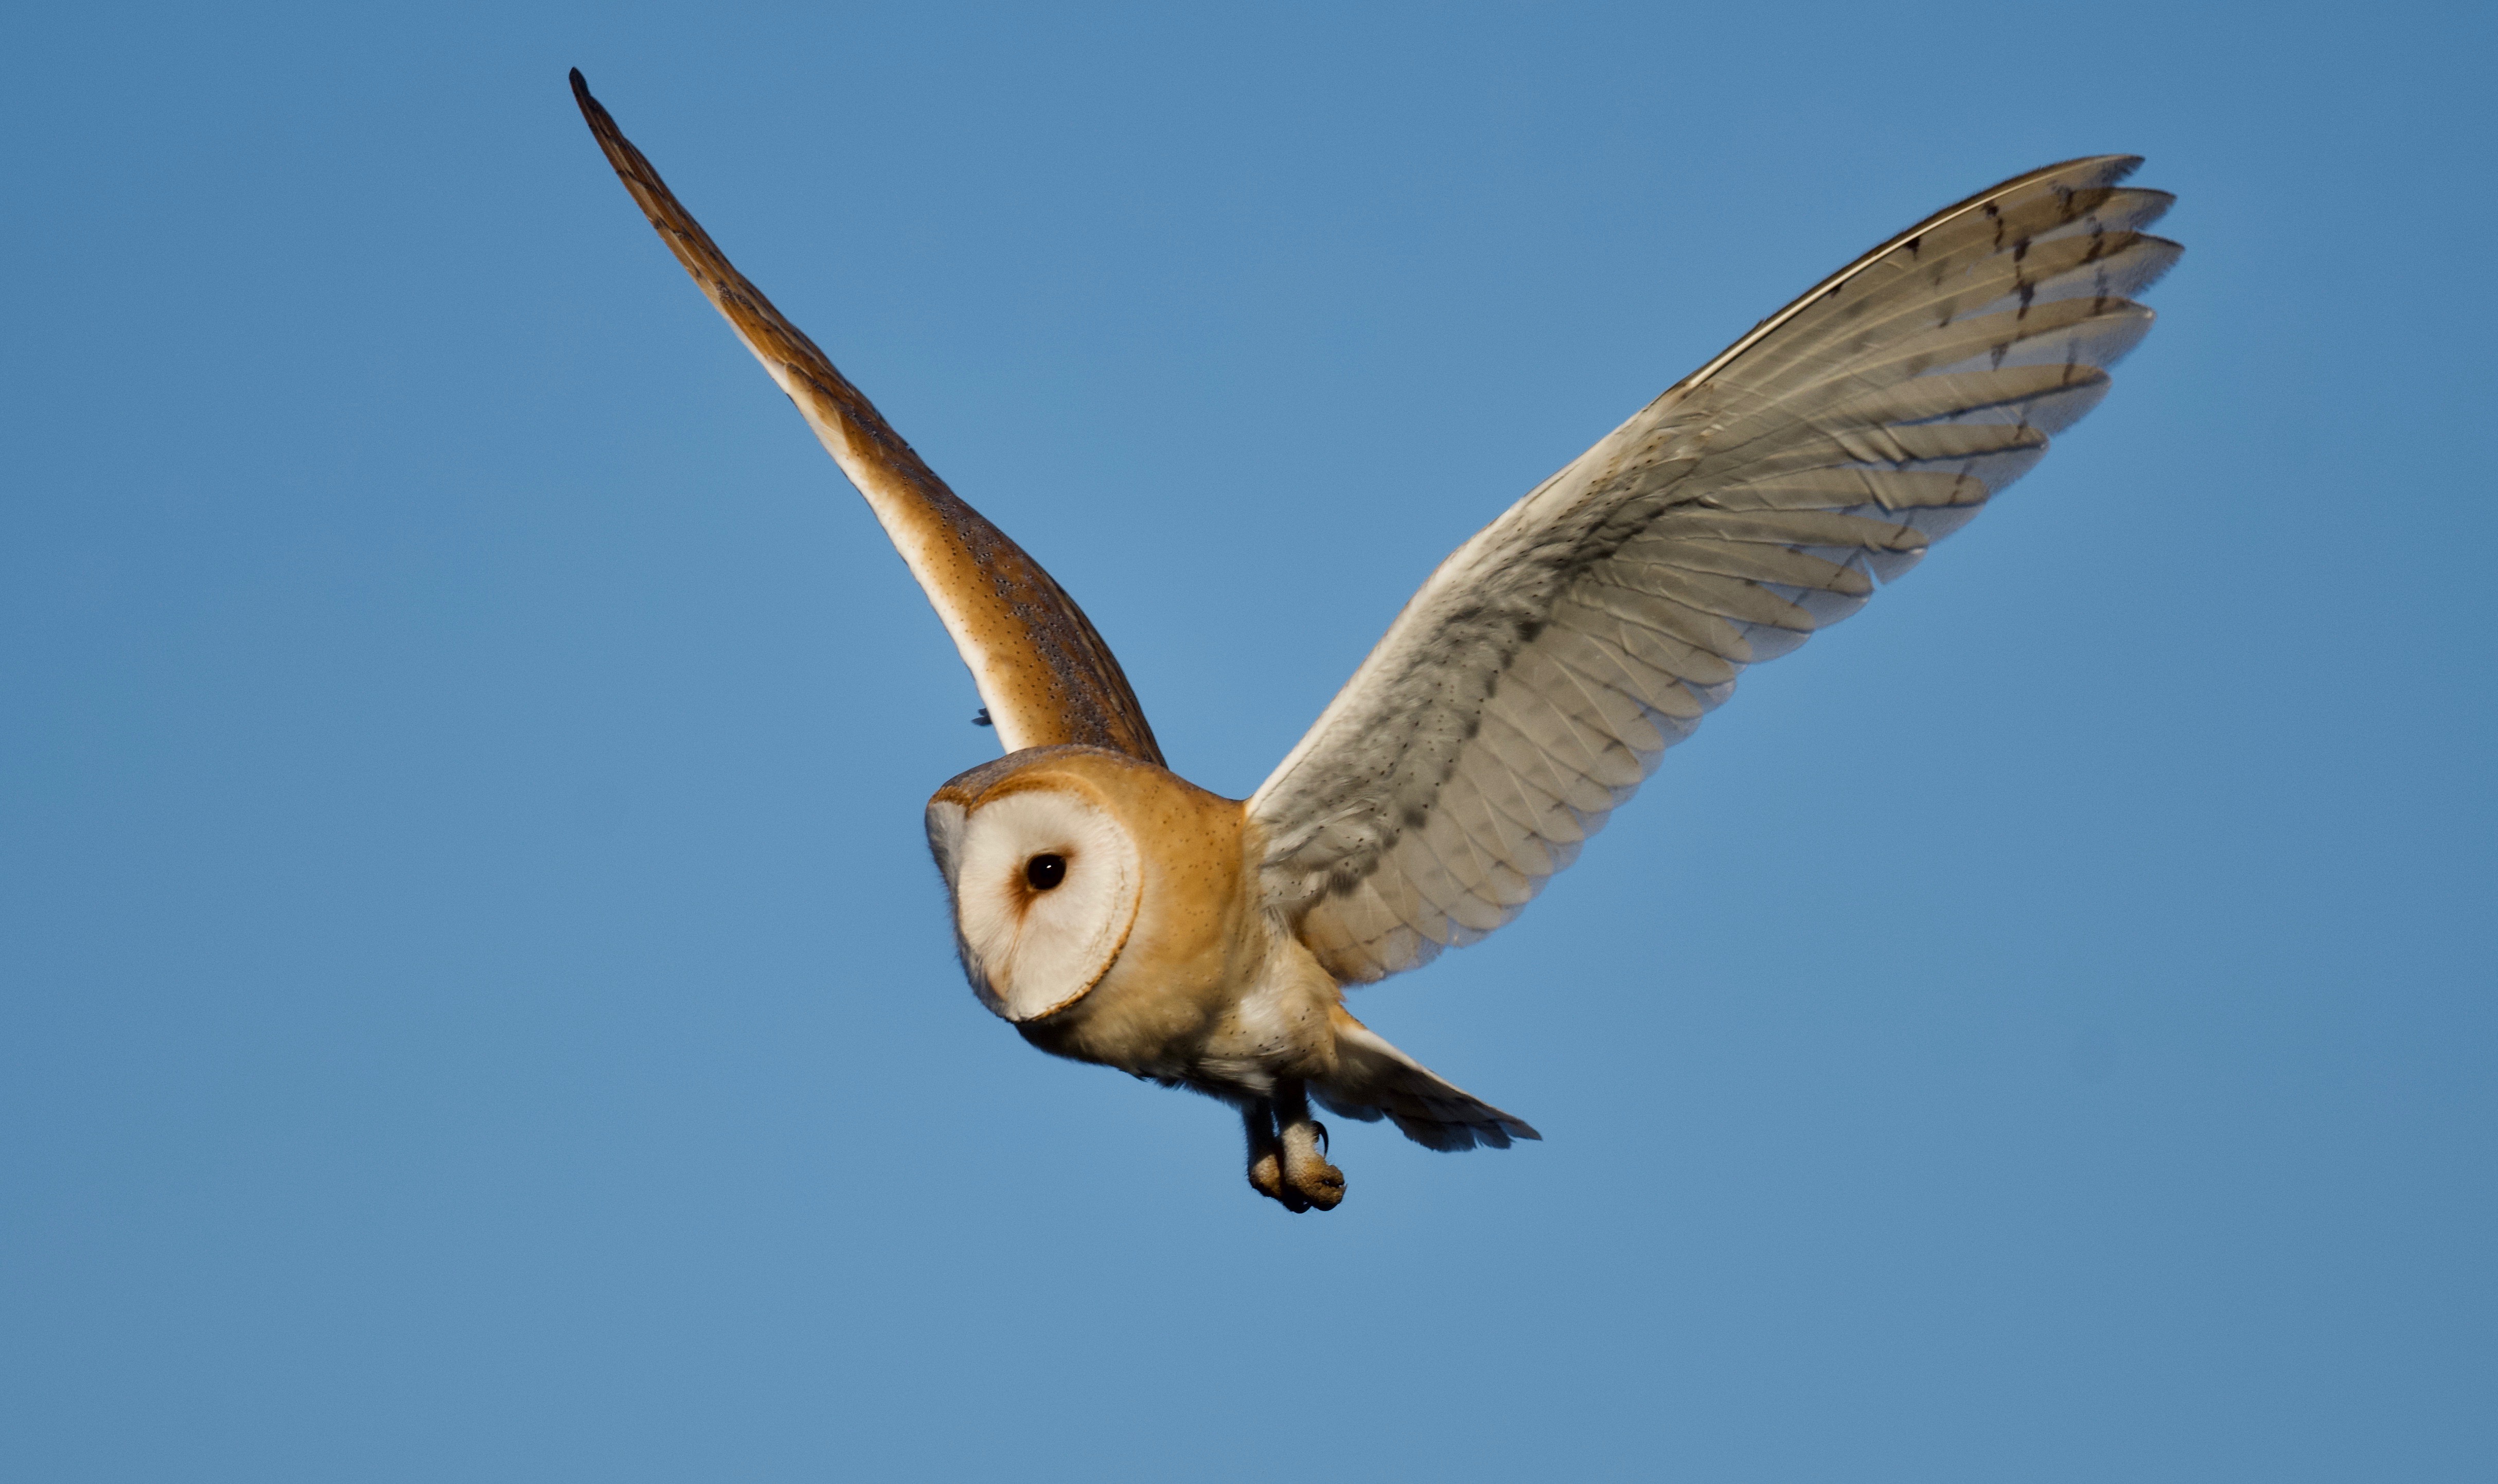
[{"x": 1542, "y": 671}]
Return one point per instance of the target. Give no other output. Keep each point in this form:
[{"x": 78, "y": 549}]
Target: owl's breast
[
  {"x": 1264, "y": 1016},
  {"x": 1209, "y": 989}
]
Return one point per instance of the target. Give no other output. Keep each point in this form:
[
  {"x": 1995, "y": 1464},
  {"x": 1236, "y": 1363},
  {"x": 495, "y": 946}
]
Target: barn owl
[{"x": 1113, "y": 912}]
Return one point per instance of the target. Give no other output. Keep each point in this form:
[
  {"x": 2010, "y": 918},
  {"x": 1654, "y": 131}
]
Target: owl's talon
[
  {"x": 1312, "y": 1181},
  {"x": 1321, "y": 1187},
  {"x": 1268, "y": 1158}
]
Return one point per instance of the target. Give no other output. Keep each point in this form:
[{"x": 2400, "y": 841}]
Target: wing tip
[
  {"x": 602, "y": 124},
  {"x": 2117, "y": 165}
]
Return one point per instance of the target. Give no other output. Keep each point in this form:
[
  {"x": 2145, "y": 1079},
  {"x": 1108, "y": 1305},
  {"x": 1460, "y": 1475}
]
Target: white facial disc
[{"x": 1046, "y": 884}]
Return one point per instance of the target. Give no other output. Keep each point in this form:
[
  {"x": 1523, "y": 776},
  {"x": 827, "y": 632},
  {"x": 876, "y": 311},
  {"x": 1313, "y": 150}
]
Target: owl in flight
[{"x": 1113, "y": 912}]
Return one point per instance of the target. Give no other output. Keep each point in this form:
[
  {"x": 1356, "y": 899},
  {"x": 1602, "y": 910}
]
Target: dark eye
[{"x": 1044, "y": 872}]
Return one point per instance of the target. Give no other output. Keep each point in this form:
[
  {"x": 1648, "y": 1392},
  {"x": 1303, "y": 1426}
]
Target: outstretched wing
[
  {"x": 1044, "y": 672},
  {"x": 1533, "y": 683}
]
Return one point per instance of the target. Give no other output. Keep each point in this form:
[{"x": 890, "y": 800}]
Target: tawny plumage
[
  {"x": 1046, "y": 675},
  {"x": 1115, "y": 913}
]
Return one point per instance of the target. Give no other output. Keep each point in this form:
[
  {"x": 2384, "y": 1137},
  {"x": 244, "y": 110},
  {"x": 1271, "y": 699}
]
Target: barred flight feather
[{"x": 1545, "y": 668}]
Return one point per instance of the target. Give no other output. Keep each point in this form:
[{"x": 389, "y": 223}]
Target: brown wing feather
[{"x": 1044, "y": 673}]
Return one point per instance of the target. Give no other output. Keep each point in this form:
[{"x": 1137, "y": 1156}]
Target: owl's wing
[
  {"x": 1044, "y": 672},
  {"x": 1536, "y": 679}
]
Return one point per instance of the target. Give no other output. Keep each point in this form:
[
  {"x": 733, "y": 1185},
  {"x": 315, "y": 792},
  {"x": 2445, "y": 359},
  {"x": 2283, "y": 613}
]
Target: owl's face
[
  {"x": 1045, "y": 880},
  {"x": 1071, "y": 867}
]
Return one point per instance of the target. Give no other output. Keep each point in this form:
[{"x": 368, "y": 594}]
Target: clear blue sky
[{"x": 474, "y": 1002}]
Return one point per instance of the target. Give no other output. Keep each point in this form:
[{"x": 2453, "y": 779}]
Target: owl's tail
[{"x": 1374, "y": 1080}]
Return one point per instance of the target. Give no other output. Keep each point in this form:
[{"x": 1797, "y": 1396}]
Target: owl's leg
[
  {"x": 1266, "y": 1155},
  {"x": 1306, "y": 1171}
]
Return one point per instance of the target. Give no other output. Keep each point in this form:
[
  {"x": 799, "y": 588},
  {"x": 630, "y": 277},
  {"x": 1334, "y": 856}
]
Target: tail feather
[{"x": 1374, "y": 1080}]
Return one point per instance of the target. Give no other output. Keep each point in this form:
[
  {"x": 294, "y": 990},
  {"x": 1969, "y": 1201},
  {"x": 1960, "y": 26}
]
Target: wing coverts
[{"x": 1542, "y": 671}]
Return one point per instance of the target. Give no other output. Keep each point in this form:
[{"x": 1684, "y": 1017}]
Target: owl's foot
[
  {"x": 1266, "y": 1155},
  {"x": 1267, "y": 1178},
  {"x": 1287, "y": 1162},
  {"x": 1307, "y": 1171}
]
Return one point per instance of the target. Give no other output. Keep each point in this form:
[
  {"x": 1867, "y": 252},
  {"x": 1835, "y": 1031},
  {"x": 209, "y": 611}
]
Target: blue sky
[{"x": 474, "y": 1001}]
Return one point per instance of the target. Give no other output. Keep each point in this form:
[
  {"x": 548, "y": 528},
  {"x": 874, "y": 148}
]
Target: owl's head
[{"x": 1069, "y": 863}]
